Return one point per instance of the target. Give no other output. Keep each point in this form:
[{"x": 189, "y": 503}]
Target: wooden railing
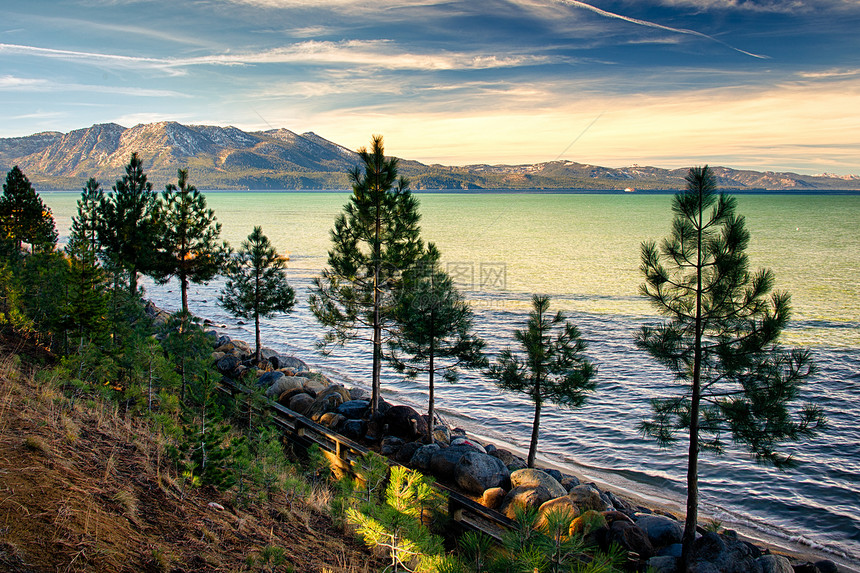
[{"x": 344, "y": 454}]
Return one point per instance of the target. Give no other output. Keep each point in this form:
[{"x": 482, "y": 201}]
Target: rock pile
[{"x": 495, "y": 477}]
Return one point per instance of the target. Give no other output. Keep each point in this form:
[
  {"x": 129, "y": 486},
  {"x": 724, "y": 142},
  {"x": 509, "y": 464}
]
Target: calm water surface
[{"x": 583, "y": 250}]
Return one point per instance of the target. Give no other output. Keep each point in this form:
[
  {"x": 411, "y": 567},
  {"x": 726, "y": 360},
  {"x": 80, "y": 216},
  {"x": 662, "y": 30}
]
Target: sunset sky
[{"x": 760, "y": 84}]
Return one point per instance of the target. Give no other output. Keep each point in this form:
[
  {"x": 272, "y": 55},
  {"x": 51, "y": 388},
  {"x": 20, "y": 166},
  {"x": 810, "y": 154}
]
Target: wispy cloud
[
  {"x": 830, "y": 74},
  {"x": 383, "y": 54},
  {"x": 774, "y": 6},
  {"x": 41, "y": 85}
]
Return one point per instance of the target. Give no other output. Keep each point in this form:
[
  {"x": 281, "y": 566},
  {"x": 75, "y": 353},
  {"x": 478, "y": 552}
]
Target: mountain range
[{"x": 229, "y": 158}]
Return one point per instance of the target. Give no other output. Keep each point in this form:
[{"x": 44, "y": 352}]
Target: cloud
[
  {"x": 383, "y": 54},
  {"x": 773, "y": 6},
  {"x": 836, "y": 73},
  {"x": 12, "y": 83},
  {"x": 40, "y": 85},
  {"x": 761, "y": 128}
]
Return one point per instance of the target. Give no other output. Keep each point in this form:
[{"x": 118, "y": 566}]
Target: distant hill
[{"x": 229, "y": 158}]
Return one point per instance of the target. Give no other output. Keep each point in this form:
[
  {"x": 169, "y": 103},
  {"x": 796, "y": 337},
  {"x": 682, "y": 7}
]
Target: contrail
[
  {"x": 647, "y": 24},
  {"x": 587, "y": 127}
]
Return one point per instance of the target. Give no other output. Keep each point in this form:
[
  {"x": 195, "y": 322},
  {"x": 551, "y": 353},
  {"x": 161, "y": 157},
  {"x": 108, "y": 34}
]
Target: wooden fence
[{"x": 344, "y": 454}]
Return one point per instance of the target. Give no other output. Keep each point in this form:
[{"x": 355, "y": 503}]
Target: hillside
[
  {"x": 85, "y": 488},
  {"x": 229, "y": 158}
]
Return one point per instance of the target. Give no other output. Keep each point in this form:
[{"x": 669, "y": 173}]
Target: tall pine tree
[
  {"x": 720, "y": 340},
  {"x": 373, "y": 241},
  {"x": 87, "y": 300},
  {"x": 551, "y": 368},
  {"x": 189, "y": 247},
  {"x": 256, "y": 286},
  {"x": 434, "y": 328},
  {"x": 128, "y": 227}
]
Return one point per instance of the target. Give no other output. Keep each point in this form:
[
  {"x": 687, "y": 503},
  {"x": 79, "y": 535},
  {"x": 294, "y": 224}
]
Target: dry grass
[{"x": 83, "y": 488}]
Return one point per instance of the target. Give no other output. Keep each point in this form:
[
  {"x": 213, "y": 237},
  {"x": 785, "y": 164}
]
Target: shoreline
[{"x": 607, "y": 479}]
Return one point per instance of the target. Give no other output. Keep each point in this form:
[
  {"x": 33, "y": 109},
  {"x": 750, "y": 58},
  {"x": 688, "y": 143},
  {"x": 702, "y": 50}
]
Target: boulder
[
  {"x": 405, "y": 453},
  {"x": 569, "y": 482},
  {"x": 492, "y": 497},
  {"x": 390, "y": 445},
  {"x": 331, "y": 420},
  {"x": 441, "y": 434},
  {"x": 562, "y": 504},
  {"x": 826, "y": 566},
  {"x": 476, "y": 472},
  {"x": 585, "y": 497},
  {"x": 724, "y": 553},
  {"x": 524, "y": 497},
  {"x": 588, "y": 522},
  {"x": 620, "y": 504},
  {"x": 673, "y": 550},
  {"x": 359, "y": 394},
  {"x": 237, "y": 348},
  {"x": 423, "y": 456},
  {"x": 326, "y": 401},
  {"x": 661, "y": 530},
  {"x": 354, "y": 429},
  {"x": 354, "y": 409},
  {"x": 631, "y": 538},
  {"x": 222, "y": 340},
  {"x": 554, "y": 474},
  {"x": 506, "y": 456},
  {"x": 285, "y": 397},
  {"x": 281, "y": 384},
  {"x": 301, "y": 403},
  {"x": 530, "y": 477},
  {"x": 338, "y": 389},
  {"x": 774, "y": 564},
  {"x": 227, "y": 365},
  {"x": 268, "y": 378},
  {"x": 613, "y": 515},
  {"x": 312, "y": 385},
  {"x": 216, "y": 356},
  {"x": 443, "y": 461},
  {"x": 405, "y": 422},
  {"x": 663, "y": 564},
  {"x": 470, "y": 443},
  {"x": 242, "y": 347}
]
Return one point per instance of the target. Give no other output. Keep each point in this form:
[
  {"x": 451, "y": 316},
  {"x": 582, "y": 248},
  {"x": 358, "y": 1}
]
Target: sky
[{"x": 751, "y": 84}]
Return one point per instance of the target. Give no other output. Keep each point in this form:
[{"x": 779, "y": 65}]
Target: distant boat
[{"x": 630, "y": 190}]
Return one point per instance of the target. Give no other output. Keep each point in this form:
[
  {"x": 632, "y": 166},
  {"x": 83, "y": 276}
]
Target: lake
[{"x": 583, "y": 251}]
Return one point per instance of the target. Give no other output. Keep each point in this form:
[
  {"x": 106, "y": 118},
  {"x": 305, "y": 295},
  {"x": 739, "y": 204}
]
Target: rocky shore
[{"x": 493, "y": 476}]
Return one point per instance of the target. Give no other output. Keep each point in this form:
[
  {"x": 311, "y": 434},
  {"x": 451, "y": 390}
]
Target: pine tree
[
  {"x": 434, "y": 327},
  {"x": 256, "y": 286},
  {"x": 720, "y": 340},
  {"x": 374, "y": 240},
  {"x": 88, "y": 301},
  {"x": 128, "y": 228},
  {"x": 189, "y": 239},
  {"x": 204, "y": 450},
  {"x": 552, "y": 368},
  {"x": 24, "y": 218}
]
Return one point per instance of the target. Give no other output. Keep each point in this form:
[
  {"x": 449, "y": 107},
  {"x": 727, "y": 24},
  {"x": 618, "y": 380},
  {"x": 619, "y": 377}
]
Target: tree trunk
[
  {"x": 431, "y": 394},
  {"x": 132, "y": 281},
  {"x": 257, "y": 337},
  {"x": 535, "y": 430},
  {"x": 691, "y": 519},
  {"x": 183, "y": 287},
  {"x": 377, "y": 325}
]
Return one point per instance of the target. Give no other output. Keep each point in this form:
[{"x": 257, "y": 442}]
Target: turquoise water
[{"x": 583, "y": 249}]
